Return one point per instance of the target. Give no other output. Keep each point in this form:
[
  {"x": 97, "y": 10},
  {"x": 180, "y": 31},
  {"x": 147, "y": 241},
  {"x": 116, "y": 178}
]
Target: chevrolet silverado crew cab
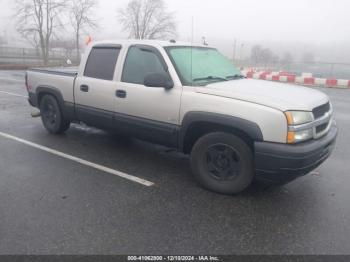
[{"x": 193, "y": 99}]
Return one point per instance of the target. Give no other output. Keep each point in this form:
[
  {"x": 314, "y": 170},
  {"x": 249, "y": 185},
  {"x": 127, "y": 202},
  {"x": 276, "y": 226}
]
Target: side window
[
  {"x": 139, "y": 63},
  {"x": 102, "y": 62}
]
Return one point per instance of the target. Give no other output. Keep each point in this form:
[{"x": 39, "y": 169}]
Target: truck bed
[
  {"x": 61, "y": 79},
  {"x": 67, "y": 71}
]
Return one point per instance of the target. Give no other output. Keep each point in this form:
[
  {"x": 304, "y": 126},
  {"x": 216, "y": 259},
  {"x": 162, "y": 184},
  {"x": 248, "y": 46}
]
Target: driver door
[{"x": 152, "y": 112}]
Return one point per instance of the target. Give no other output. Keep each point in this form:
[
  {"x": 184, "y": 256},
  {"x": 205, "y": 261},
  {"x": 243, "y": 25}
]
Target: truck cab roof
[{"x": 154, "y": 43}]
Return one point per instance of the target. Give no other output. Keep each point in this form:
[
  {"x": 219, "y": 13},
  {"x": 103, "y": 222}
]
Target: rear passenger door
[{"x": 95, "y": 89}]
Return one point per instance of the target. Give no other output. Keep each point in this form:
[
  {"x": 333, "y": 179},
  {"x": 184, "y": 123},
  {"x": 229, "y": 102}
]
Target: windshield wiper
[
  {"x": 235, "y": 77},
  {"x": 210, "y": 78}
]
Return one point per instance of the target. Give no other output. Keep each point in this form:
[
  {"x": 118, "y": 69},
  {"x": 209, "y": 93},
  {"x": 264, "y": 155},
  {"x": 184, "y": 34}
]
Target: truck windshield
[{"x": 201, "y": 65}]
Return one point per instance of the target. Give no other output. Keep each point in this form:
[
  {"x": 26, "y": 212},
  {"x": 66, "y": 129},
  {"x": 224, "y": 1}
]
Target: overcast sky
[
  {"x": 254, "y": 20},
  {"x": 307, "y": 22}
]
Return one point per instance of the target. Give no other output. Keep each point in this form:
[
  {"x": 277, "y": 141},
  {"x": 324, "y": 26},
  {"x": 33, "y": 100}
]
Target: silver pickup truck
[{"x": 193, "y": 99}]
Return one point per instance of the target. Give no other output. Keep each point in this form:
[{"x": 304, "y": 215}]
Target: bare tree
[
  {"x": 256, "y": 54},
  {"x": 81, "y": 19},
  {"x": 266, "y": 56},
  {"x": 262, "y": 56},
  {"x": 37, "y": 21},
  {"x": 308, "y": 57},
  {"x": 3, "y": 41},
  {"x": 147, "y": 19},
  {"x": 287, "y": 59},
  {"x": 275, "y": 60}
]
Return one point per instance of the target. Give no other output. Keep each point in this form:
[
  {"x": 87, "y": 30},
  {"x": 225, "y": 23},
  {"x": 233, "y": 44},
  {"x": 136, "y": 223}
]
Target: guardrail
[
  {"x": 318, "y": 69},
  {"x": 306, "y": 79}
]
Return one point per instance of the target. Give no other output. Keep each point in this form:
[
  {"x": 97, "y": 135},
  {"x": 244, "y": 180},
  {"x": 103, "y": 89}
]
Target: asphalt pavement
[{"x": 50, "y": 204}]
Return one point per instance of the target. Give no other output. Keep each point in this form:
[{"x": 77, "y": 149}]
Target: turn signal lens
[
  {"x": 291, "y": 138},
  {"x": 289, "y": 117}
]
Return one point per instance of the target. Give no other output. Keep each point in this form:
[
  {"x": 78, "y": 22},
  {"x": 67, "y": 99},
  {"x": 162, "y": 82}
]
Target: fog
[{"x": 320, "y": 26}]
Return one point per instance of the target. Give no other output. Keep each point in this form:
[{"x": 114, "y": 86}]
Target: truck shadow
[{"x": 164, "y": 166}]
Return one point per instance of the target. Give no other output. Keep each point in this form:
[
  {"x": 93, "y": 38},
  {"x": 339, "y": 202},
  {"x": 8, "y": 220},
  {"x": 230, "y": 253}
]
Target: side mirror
[{"x": 159, "y": 80}]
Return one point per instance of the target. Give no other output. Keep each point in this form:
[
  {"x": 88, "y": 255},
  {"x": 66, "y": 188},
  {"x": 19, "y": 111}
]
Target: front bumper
[{"x": 282, "y": 162}]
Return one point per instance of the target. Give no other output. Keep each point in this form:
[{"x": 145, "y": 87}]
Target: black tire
[
  {"x": 51, "y": 115},
  {"x": 223, "y": 163}
]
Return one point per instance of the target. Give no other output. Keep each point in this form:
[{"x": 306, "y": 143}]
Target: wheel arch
[
  {"x": 197, "y": 124},
  {"x": 67, "y": 109},
  {"x": 41, "y": 91}
]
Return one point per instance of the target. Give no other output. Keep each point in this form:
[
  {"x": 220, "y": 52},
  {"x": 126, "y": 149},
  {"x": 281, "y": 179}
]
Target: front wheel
[
  {"x": 222, "y": 163},
  {"x": 51, "y": 115}
]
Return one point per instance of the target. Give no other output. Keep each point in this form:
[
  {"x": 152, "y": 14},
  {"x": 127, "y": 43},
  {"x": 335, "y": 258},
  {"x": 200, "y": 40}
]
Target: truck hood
[{"x": 281, "y": 96}]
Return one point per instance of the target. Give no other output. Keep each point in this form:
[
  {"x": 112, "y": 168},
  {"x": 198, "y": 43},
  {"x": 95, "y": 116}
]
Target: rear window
[{"x": 102, "y": 62}]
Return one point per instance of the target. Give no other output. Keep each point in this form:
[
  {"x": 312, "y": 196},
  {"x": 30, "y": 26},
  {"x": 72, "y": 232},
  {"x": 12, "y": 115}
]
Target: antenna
[{"x": 192, "y": 35}]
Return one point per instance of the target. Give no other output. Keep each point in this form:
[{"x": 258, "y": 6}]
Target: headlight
[{"x": 299, "y": 118}]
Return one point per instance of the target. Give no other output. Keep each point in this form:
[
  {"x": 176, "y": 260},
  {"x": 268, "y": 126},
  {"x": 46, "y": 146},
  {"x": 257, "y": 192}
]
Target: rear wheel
[
  {"x": 51, "y": 115},
  {"x": 223, "y": 163}
]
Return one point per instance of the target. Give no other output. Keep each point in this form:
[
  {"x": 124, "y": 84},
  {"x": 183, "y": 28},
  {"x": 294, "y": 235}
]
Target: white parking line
[
  {"x": 13, "y": 94},
  {"x": 79, "y": 160}
]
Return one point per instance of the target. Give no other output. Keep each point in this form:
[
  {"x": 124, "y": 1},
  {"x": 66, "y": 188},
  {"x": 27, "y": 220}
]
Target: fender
[
  {"x": 68, "y": 109},
  {"x": 249, "y": 128}
]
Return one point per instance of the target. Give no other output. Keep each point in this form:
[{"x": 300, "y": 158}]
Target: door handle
[
  {"x": 120, "y": 93},
  {"x": 84, "y": 88}
]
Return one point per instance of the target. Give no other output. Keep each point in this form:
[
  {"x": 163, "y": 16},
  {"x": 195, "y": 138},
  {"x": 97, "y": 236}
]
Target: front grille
[
  {"x": 322, "y": 124},
  {"x": 321, "y": 110},
  {"x": 321, "y": 128}
]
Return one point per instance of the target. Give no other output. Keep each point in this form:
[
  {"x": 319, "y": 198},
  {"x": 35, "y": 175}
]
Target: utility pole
[
  {"x": 241, "y": 52},
  {"x": 234, "y": 50}
]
